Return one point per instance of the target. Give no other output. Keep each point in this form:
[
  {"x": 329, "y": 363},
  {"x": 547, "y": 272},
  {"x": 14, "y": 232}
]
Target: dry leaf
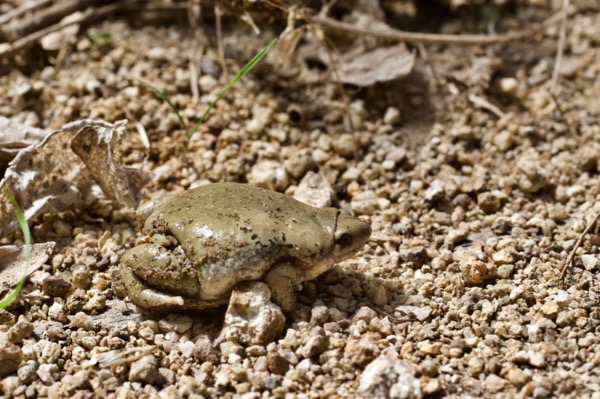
[
  {"x": 383, "y": 64},
  {"x": 96, "y": 146},
  {"x": 14, "y": 137},
  {"x": 50, "y": 177},
  {"x": 289, "y": 38},
  {"x": 12, "y": 261}
]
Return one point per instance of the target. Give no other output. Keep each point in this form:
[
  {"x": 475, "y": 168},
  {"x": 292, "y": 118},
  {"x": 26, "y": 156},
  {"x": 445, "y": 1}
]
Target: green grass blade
[
  {"x": 166, "y": 99},
  {"x": 27, "y": 236},
  {"x": 100, "y": 38},
  {"x": 237, "y": 77}
]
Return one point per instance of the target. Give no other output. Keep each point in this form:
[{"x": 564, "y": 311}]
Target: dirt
[{"x": 476, "y": 180}]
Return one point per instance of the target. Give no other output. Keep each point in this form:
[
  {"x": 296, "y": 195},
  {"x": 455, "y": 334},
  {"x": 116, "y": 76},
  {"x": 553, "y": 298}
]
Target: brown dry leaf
[
  {"x": 14, "y": 137},
  {"x": 363, "y": 68},
  {"x": 50, "y": 177},
  {"x": 288, "y": 40},
  {"x": 13, "y": 265},
  {"x": 96, "y": 146}
]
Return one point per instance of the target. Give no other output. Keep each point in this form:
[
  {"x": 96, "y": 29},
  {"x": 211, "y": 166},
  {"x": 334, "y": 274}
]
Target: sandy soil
[{"x": 474, "y": 210}]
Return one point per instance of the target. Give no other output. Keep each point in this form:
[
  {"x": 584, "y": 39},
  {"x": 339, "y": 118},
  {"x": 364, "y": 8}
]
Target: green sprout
[
  {"x": 27, "y": 236},
  {"x": 100, "y": 38},
  {"x": 243, "y": 72}
]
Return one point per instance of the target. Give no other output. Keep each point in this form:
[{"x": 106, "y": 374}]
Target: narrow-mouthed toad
[{"x": 199, "y": 244}]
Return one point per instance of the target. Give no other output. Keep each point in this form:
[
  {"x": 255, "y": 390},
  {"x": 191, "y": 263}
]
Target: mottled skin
[{"x": 198, "y": 245}]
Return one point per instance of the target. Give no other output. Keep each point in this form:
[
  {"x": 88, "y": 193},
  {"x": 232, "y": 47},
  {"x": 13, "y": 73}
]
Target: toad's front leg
[{"x": 282, "y": 279}]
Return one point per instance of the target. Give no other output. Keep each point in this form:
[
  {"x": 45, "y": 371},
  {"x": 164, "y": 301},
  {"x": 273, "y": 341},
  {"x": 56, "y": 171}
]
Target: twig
[
  {"x": 6, "y": 48},
  {"x": 43, "y": 19},
  {"x": 560, "y": 48},
  {"x": 220, "y": 47},
  {"x": 485, "y": 104},
  {"x": 88, "y": 15},
  {"x": 569, "y": 261},
  {"x": 433, "y": 38},
  {"x": 27, "y": 7},
  {"x": 194, "y": 15}
]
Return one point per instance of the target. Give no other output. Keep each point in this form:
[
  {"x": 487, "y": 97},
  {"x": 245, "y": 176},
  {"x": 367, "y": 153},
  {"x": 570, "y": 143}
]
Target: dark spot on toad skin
[{"x": 254, "y": 236}]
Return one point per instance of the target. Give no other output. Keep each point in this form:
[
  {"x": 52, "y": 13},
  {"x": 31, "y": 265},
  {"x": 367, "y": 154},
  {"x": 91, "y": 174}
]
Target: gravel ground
[{"x": 473, "y": 211}]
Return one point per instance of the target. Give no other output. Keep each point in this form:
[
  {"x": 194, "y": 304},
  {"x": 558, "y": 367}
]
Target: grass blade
[
  {"x": 237, "y": 77},
  {"x": 166, "y": 99},
  {"x": 27, "y": 236}
]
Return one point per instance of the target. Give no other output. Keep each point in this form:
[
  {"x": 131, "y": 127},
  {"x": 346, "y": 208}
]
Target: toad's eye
[{"x": 344, "y": 240}]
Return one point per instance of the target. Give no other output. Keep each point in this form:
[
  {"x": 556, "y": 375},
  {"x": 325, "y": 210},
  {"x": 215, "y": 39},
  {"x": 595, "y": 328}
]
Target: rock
[
  {"x": 206, "y": 83},
  {"x": 345, "y": 145},
  {"x": 28, "y": 371},
  {"x": 365, "y": 203},
  {"x": 78, "y": 381},
  {"x": 503, "y": 257},
  {"x": 434, "y": 193},
  {"x": 145, "y": 370},
  {"x": 7, "y": 318},
  {"x": 20, "y": 331},
  {"x": 396, "y": 155},
  {"x": 391, "y": 116},
  {"x": 298, "y": 164},
  {"x": 504, "y": 140},
  {"x": 204, "y": 350},
  {"x": 175, "y": 323},
  {"x": 533, "y": 177},
  {"x": 361, "y": 352},
  {"x": 550, "y": 309},
  {"x": 317, "y": 343},
  {"x": 590, "y": 262},
  {"x": 365, "y": 313},
  {"x": 82, "y": 320},
  {"x": 379, "y": 295},
  {"x": 491, "y": 202},
  {"x": 417, "y": 255},
  {"x": 211, "y": 67},
  {"x": 314, "y": 190},
  {"x": 251, "y": 318},
  {"x": 10, "y": 357},
  {"x": 389, "y": 377},
  {"x": 494, "y": 384},
  {"x": 508, "y": 85},
  {"x": 9, "y": 385},
  {"x": 319, "y": 315},
  {"x": 187, "y": 348},
  {"x": 269, "y": 174},
  {"x": 518, "y": 377},
  {"x": 48, "y": 373},
  {"x": 421, "y": 313},
  {"x": 56, "y": 286},
  {"x": 277, "y": 364}
]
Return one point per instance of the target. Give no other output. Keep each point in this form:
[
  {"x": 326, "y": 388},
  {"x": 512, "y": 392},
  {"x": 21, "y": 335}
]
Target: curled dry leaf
[
  {"x": 16, "y": 136},
  {"x": 52, "y": 176},
  {"x": 12, "y": 261}
]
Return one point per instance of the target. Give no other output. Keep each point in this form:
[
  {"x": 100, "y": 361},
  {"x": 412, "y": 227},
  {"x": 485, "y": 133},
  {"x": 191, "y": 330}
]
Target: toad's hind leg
[
  {"x": 141, "y": 295},
  {"x": 282, "y": 279}
]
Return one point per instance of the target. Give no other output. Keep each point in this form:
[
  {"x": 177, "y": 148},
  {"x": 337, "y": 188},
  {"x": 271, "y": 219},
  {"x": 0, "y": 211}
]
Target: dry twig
[
  {"x": 571, "y": 257},
  {"x": 434, "y": 38}
]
